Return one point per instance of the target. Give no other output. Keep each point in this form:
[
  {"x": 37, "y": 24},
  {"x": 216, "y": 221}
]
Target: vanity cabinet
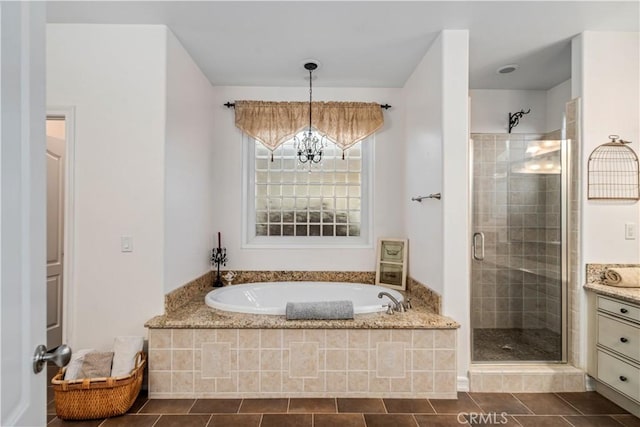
[{"x": 614, "y": 353}]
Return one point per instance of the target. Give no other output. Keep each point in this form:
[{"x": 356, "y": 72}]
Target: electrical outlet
[{"x": 630, "y": 231}]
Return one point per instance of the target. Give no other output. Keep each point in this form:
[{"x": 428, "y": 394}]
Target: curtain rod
[{"x": 232, "y": 105}]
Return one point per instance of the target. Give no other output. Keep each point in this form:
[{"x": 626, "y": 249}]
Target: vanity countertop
[
  {"x": 625, "y": 294},
  {"x": 197, "y": 315}
]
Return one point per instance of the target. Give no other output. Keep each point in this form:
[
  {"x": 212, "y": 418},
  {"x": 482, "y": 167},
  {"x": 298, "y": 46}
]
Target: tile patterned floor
[{"x": 471, "y": 409}]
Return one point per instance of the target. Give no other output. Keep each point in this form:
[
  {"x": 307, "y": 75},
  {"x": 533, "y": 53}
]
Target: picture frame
[{"x": 391, "y": 263}]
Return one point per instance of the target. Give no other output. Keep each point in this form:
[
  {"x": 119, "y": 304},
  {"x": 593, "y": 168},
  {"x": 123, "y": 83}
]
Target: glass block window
[{"x": 295, "y": 200}]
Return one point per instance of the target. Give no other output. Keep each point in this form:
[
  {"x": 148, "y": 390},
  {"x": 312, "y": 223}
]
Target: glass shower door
[{"x": 516, "y": 284}]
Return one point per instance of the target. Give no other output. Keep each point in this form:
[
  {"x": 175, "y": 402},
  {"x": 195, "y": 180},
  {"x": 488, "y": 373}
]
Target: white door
[
  {"x": 22, "y": 215},
  {"x": 55, "y": 227}
]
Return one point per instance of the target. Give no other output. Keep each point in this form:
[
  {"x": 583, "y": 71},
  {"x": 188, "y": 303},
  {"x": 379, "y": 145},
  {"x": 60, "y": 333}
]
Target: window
[{"x": 289, "y": 203}]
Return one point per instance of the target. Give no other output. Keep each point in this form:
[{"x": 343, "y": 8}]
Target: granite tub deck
[{"x": 198, "y": 352}]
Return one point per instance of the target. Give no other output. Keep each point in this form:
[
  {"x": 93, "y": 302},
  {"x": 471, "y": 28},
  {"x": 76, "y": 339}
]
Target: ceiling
[{"x": 365, "y": 43}]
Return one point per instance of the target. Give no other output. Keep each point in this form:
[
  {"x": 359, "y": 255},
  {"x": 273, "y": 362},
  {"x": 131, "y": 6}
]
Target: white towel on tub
[{"x": 125, "y": 350}]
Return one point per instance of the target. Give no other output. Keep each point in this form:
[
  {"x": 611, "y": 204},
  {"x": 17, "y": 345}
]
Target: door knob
[{"x": 59, "y": 355}]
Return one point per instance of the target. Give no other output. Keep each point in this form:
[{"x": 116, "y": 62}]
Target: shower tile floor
[
  {"x": 502, "y": 345},
  {"x": 504, "y": 409}
]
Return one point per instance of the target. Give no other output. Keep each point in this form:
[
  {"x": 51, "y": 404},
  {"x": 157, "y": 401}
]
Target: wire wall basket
[{"x": 613, "y": 171}]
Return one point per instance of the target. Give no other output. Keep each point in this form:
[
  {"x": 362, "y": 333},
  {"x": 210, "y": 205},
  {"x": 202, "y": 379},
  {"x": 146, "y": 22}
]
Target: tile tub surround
[
  {"x": 302, "y": 362},
  {"x": 181, "y": 296}
]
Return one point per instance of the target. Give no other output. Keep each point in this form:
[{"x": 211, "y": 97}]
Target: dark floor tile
[
  {"x": 260, "y": 406},
  {"x": 591, "y": 403},
  {"x": 499, "y": 402},
  {"x": 183, "y": 421},
  {"x": 216, "y": 406},
  {"x": 131, "y": 421},
  {"x": 50, "y": 418},
  {"x": 167, "y": 406},
  {"x": 491, "y": 419},
  {"x": 440, "y": 420},
  {"x": 454, "y": 406},
  {"x": 51, "y": 408},
  {"x": 50, "y": 394},
  {"x": 546, "y": 404},
  {"x": 55, "y": 422},
  {"x": 342, "y": 420},
  {"x": 312, "y": 405},
  {"x": 362, "y": 405},
  {"x": 235, "y": 420},
  {"x": 542, "y": 421},
  {"x": 627, "y": 420},
  {"x": 286, "y": 420},
  {"x": 408, "y": 406},
  {"x": 389, "y": 420},
  {"x": 592, "y": 421},
  {"x": 140, "y": 401}
]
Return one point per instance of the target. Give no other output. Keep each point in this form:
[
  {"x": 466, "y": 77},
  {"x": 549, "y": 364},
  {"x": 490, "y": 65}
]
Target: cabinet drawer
[
  {"x": 619, "y": 375},
  {"x": 622, "y": 309},
  {"x": 619, "y": 336}
]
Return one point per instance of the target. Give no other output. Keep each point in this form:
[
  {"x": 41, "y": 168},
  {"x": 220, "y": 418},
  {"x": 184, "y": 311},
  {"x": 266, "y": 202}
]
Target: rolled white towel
[
  {"x": 125, "y": 350},
  {"x": 623, "y": 277}
]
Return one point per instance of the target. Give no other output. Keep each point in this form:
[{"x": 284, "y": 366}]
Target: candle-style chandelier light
[{"x": 309, "y": 148}]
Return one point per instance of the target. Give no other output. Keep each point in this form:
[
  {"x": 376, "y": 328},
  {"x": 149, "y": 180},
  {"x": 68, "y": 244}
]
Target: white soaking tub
[{"x": 272, "y": 297}]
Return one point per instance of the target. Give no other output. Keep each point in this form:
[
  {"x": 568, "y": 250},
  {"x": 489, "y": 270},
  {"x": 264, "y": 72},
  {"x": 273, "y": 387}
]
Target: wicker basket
[{"x": 92, "y": 398}]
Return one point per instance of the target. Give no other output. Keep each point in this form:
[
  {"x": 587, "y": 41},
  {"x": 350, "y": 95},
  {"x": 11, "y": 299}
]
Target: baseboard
[
  {"x": 589, "y": 383},
  {"x": 463, "y": 383}
]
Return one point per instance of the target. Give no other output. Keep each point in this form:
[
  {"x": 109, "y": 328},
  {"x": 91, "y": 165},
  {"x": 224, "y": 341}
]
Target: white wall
[
  {"x": 189, "y": 150},
  {"x": 115, "y": 78},
  {"x": 226, "y": 186},
  {"x": 556, "y": 100},
  {"x": 490, "y": 110}
]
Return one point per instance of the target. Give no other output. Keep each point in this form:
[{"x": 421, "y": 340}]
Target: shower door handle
[{"x": 478, "y": 256}]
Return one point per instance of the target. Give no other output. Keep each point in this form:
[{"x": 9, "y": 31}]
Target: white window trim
[{"x": 251, "y": 241}]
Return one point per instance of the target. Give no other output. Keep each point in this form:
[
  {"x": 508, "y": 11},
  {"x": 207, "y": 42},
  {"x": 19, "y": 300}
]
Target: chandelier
[{"x": 309, "y": 148}]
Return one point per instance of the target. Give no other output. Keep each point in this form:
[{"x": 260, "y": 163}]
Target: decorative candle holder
[{"x": 218, "y": 256}]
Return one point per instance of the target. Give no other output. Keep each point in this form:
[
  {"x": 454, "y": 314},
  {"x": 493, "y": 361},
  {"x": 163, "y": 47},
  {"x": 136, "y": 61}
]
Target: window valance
[{"x": 273, "y": 123}]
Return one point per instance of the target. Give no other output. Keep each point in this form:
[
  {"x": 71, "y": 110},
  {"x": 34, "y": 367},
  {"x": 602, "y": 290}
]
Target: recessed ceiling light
[{"x": 506, "y": 69}]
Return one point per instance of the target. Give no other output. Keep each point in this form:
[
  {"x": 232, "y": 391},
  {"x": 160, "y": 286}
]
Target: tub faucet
[{"x": 397, "y": 306}]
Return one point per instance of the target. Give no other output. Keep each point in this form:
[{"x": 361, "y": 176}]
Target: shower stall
[{"x": 519, "y": 247}]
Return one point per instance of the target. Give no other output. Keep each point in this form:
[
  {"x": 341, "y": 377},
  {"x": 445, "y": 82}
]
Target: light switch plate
[
  {"x": 126, "y": 244},
  {"x": 630, "y": 231}
]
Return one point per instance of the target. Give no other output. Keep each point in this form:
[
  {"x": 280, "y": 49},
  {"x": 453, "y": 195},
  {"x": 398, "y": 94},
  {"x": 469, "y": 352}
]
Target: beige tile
[
  {"x": 270, "y": 382},
  {"x": 378, "y": 335},
  {"x": 159, "y": 382},
  {"x": 160, "y": 338},
  {"x": 197, "y": 358},
  {"x": 445, "y": 382},
  {"x": 358, "y": 360},
  {"x": 249, "y": 338},
  {"x": 315, "y": 385},
  {"x": 444, "y": 338},
  {"x": 336, "y": 338},
  {"x": 316, "y": 336},
  {"x": 271, "y": 360},
  {"x": 358, "y": 338},
  {"x": 336, "y": 360},
  {"x": 270, "y": 338},
  {"x": 357, "y": 381},
  {"x": 227, "y": 385},
  {"x": 422, "y": 338},
  {"x": 289, "y": 335},
  {"x": 229, "y": 336},
  {"x": 475, "y": 381},
  {"x": 492, "y": 383},
  {"x": 182, "y": 382},
  {"x": 422, "y": 360},
  {"x": 160, "y": 360},
  {"x": 248, "y": 381},
  {"x": 574, "y": 382},
  {"x": 303, "y": 359},
  {"x": 182, "y": 360},
  {"x": 401, "y": 384},
  {"x": 531, "y": 383},
  {"x": 336, "y": 382},
  {"x": 204, "y": 335},
  {"x": 512, "y": 383},
  {"x": 292, "y": 385},
  {"x": 379, "y": 385},
  {"x": 422, "y": 382},
  {"x": 182, "y": 338},
  {"x": 444, "y": 360},
  {"x": 391, "y": 360},
  {"x": 401, "y": 335},
  {"x": 215, "y": 360},
  {"x": 248, "y": 360},
  {"x": 203, "y": 385}
]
